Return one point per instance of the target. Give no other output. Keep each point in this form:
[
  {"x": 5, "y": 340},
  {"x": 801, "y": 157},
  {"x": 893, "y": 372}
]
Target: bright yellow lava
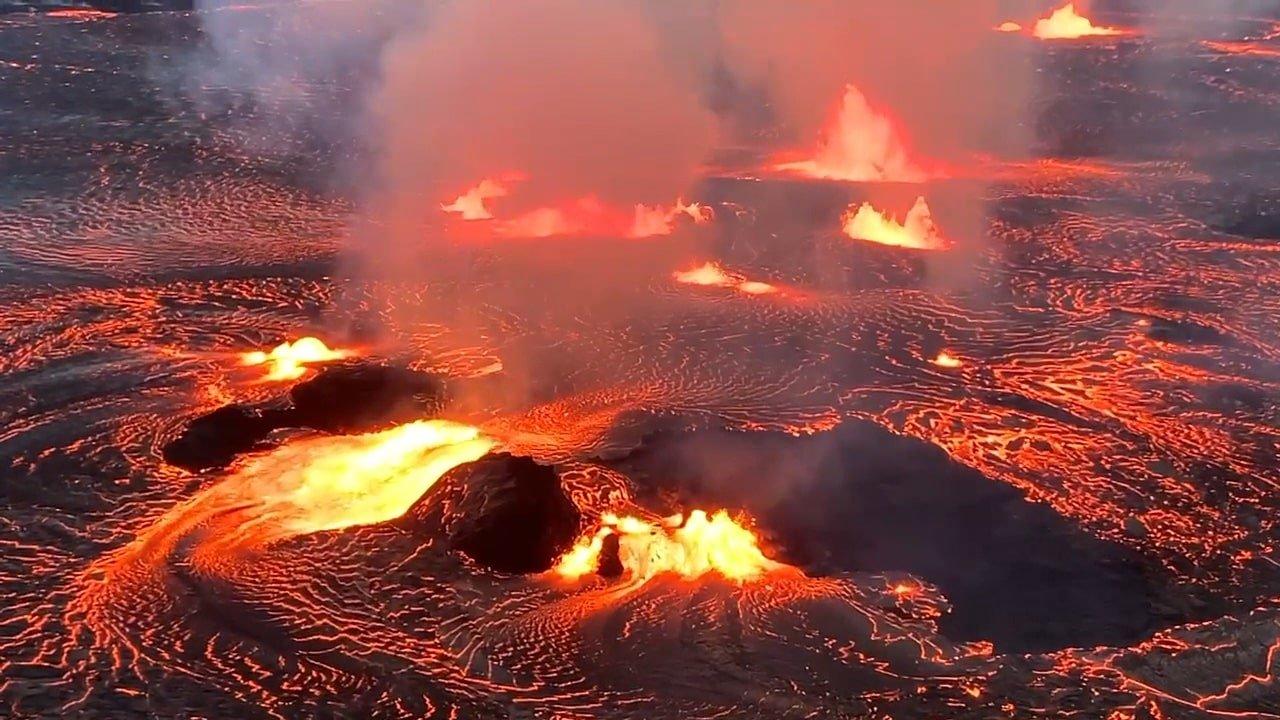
[
  {"x": 710, "y": 274},
  {"x": 689, "y": 548},
  {"x": 288, "y": 361},
  {"x": 917, "y": 231},
  {"x": 947, "y": 360},
  {"x": 1065, "y": 24},
  {"x": 329, "y": 483}
]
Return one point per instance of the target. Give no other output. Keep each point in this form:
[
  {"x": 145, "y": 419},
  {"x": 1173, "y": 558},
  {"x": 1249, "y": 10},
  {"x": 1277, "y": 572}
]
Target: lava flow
[
  {"x": 711, "y": 274},
  {"x": 687, "y": 547},
  {"x": 1067, "y": 24},
  {"x": 917, "y": 231},
  {"x": 289, "y": 360},
  {"x": 323, "y": 483},
  {"x": 861, "y": 144}
]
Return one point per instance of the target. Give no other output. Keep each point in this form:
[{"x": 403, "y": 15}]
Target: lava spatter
[
  {"x": 688, "y": 547},
  {"x": 290, "y": 360}
]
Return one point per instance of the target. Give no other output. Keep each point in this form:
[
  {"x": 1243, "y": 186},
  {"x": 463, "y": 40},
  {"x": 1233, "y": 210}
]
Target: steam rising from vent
[{"x": 573, "y": 95}]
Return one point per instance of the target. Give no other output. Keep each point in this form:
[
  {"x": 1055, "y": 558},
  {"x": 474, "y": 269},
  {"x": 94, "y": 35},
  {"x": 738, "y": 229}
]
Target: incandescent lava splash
[
  {"x": 470, "y": 205},
  {"x": 710, "y": 274},
  {"x": 289, "y": 360},
  {"x": 861, "y": 144},
  {"x": 1067, "y": 24},
  {"x": 689, "y": 547},
  {"x": 917, "y": 231},
  {"x": 585, "y": 215}
]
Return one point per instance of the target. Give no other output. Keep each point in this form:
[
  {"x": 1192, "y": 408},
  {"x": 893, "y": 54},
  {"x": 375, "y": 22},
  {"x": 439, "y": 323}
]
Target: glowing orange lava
[
  {"x": 711, "y": 274},
  {"x": 1243, "y": 48},
  {"x": 289, "y": 361},
  {"x": 917, "y": 232},
  {"x": 81, "y": 14},
  {"x": 590, "y": 216},
  {"x": 860, "y": 145},
  {"x": 1066, "y": 24},
  {"x": 471, "y": 204},
  {"x": 329, "y": 483},
  {"x": 689, "y": 548},
  {"x": 1009, "y": 27}
]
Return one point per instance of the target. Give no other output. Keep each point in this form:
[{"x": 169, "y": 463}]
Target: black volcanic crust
[
  {"x": 119, "y": 6},
  {"x": 862, "y": 498},
  {"x": 362, "y": 398},
  {"x": 351, "y": 398},
  {"x": 514, "y": 516},
  {"x": 214, "y": 440}
]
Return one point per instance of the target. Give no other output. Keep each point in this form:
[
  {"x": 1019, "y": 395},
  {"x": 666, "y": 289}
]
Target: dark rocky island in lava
[{"x": 698, "y": 371}]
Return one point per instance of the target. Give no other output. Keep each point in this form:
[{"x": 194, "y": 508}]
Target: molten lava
[
  {"x": 860, "y": 145},
  {"x": 711, "y": 274},
  {"x": 945, "y": 359},
  {"x": 1009, "y": 27},
  {"x": 590, "y": 216},
  {"x": 81, "y": 14},
  {"x": 328, "y": 483},
  {"x": 1066, "y": 24},
  {"x": 289, "y": 361},
  {"x": 471, "y": 204},
  {"x": 689, "y": 548},
  {"x": 917, "y": 232}
]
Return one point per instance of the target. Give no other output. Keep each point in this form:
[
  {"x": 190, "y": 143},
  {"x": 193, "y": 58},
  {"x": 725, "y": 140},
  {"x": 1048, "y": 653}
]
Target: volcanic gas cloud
[{"x": 861, "y": 144}]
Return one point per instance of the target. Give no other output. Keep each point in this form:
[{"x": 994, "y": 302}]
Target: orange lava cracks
[
  {"x": 917, "y": 231},
  {"x": 1067, "y": 24},
  {"x": 290, "y": 360},
  {"x": 861, "y": 144},
  {"x": 687, "y": 547},
  {"x": 81, "y": 14},
  {"x": 710, "y": 274},
  {"x": 1254, "y": 49}
]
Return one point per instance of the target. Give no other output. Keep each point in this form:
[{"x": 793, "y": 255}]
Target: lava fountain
[
  {"x": 470, "y": 205},
  {"x": 917, "y": 231},
  {"x": 1067, "y": 24},
  {"x": 861, "y": 144},
  {"x": 689, "y": 547},
  {"x": 289, "y": 360}
]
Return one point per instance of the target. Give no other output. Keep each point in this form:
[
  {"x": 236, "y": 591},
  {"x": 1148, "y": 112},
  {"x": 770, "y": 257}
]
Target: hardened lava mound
[{"x": 799, "y": 477}]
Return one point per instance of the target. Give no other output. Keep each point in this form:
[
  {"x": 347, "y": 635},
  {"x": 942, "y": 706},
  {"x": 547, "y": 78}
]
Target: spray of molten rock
[
  {"x": 862, "y": 144},
  {"x": 1067, "y": 24},
  {"x": 586, "y": 215},
  {"x": 688, "y": 547},
  {"x": 289, "y": 360},
  {"x": 917, "y": 231}
]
